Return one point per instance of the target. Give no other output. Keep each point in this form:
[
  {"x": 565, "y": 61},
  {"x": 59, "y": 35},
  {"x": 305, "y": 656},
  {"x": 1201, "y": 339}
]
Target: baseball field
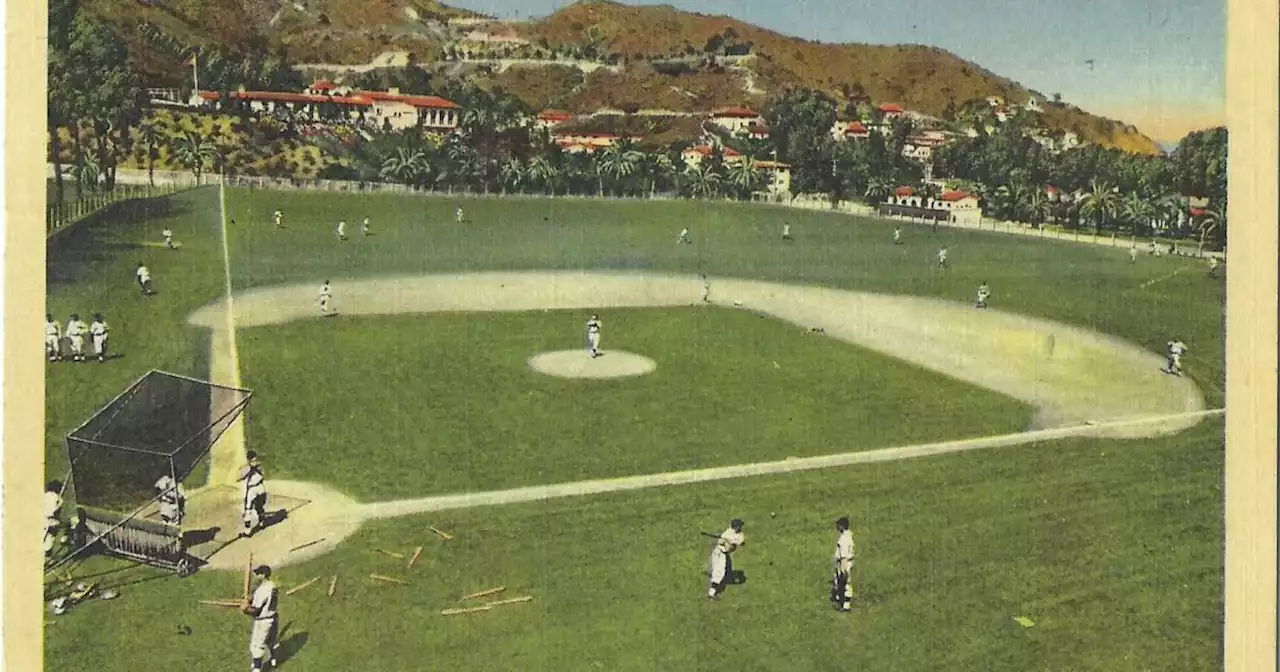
[{"x": 1028, "y": 460}]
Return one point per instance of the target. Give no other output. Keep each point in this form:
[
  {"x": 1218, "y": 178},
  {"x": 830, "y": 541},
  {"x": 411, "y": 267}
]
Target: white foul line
[{"x": 406, "y": 507}]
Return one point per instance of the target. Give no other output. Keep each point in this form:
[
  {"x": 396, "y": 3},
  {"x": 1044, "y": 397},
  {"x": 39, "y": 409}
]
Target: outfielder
[
  {"x": 325, "y": 296},
  {"x": 144, "y": 279},
  {"x": 1174, "y": 350},
  {"x": 897, "y": 235},
  {"x": 255, "y": 495},
  {"x": 721, "y": 560},
  {"x": 364, "y": 227},
  {"x": 75, "y": 334},
  {"x": 593, "y": 336},
  {"x": 173, "y": 500},
  {"x": 786, "y": 231},
  {"x": 983, "y": 293},
  {"x": 263, "y": 608},
  {"x": 841, "y": 588},
  {"x": 458, "y": 214},
  {"x": 342, "y": 230},
  {"x": 52, "y": 338},
  {"x": 683, "y": 237},
  {"x": 942, "y": 258},
  {"x": 1133, "y": 252},
  {"x": 99, "y": 332},
  {"x": 279, "y": 219}
]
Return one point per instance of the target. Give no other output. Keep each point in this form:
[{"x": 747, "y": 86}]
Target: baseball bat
[
  {"x": 379, "y": 577},
  {"x": 248, "y": 567},
  {"x": 470, "y": 610},
  {"x": 513, "y": 600},
  {"x": 301, "y": 586},
  {"x": 416, "y": 552},
  {"x": 223, "y": 603},
  {"x": 309, "y": 543},
  {"x": 443, "y": 535},
  {"x": 333, "y": 583},
  {"x": 708, "y": 534},
  {"x": 484, "y": 593},
  {"x": 391, "y": 554}
]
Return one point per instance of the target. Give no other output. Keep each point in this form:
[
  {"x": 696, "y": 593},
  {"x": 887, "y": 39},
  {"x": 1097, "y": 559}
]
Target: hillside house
[
  {"x": 587, "y": 139},
  {"x": 736, "y": 120},
  {"x": 758, "y": 132},
  {"x": 951, "y": 206},
  {"x": 1032, "y": 105},
  {"x": 890, "y": 111},
  {"x": 694, "y": 156},
  {"x": 849, "y": 130},
  {"x": 962, "y": 207},
  {"x": 552, "y": 118},
  {"x": 301, "y": 106},
  {"x": 1069, "y": 140},
  {"x": 914, "y": 152},
  {"x": 777, "y": 177},
  {"x": 401, "y": 111},
  {"x": 404, "y": 111}
]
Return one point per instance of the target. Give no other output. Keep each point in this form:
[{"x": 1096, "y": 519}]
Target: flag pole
[{"x": 195, "y": 71}]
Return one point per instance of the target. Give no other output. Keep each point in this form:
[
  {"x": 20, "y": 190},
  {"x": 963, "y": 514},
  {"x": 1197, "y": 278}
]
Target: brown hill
[{"x": 920, "y": 78}]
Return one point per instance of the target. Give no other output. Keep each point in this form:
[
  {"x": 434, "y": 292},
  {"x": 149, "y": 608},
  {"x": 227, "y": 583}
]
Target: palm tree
[
  {"x": 877, "y": 190},
  {"x": 540, "y": 171},
  {"x": 745, "y": 177},
  {"x": 658, "y": 167},
  {"x": 150, "y": 138},
  {"x": 404, "y": 167},
  {"x": 1214, "y": 221},
  {"x": 1012, "y": 200},
  {"x": 618, "y": 162},
  {"x": 193, "y": 151},
  {"x": 1138, "y": 211},
  {"x": 512, "y": 175},
  {"x": 704, "y": 181},
  {"x": 1100, "y": 204},
  {"x": 1039, "y": 208}
]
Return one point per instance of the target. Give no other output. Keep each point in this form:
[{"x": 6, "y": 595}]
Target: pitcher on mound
[{"x": 593, "y": 336}]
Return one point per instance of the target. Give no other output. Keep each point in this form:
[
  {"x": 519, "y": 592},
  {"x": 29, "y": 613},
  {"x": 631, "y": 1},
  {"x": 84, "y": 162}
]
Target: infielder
[
  {"x": 458, "y": 215},
  {"x": 255, "y": 495},
  {"x": 721, "y": 560},
  {"x": 263, "y": 608},
  {"x": 52, "y": 513},
  {"x": 173, "y": 500},
  {"x": 168, "y": 238},
  {"x": 52, "y": 338},
  {"x": 279, "y": 219},
  {"x": 983, "y": 293},
  {"x": 144, "y": 279},
  {"x": 897, "y": 235},
  {"x": 786, "y": 231},
  {"x": 593, "y": 336},
  {"x": 364, "y": 227},
  {"x": 841, "y": 587},
  {"x": 99, "y": 332},
  {"x": 942, "y": 258},
  {"x": 683, "y": 237},
  {"x": 75, "y": 334},
  {"x": 1174, "y": 350},
  {"x": 342, "y": 230},
  {"x": 325, "y": 296}
]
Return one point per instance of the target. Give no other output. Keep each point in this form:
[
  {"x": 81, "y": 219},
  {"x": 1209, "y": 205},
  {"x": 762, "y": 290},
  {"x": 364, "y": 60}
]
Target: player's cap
[
  {"x": 48, "y": 317},
  {"x": 75, "y": 316},
  {"x": 736, "y": 523},
  {"x": 251, "y": 455},
  {"x": 842, "y": 522},
  {"x": 262, "y": 570},
  {"x": 53, "y": 486}
]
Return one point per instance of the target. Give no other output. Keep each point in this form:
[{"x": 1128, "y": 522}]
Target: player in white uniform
[
  {"x": 593, "y": 336},
  {"x": 99, "y": 332},
  {"x": 683, "y": 237},
  {"x": 983, "y": 293},
  {"x": 786, "y": 231},
  {"x": 841, "y": 587},
  {"x": 1213, "y": 267},
  {"x": 168, "y": 237},
  {"x": 458, "y": 215},
  {"x": 721, "y": 560},
  {"x": 173, "y": 500},
  {"x": 942, "y": 258},
  {"x": 364, "y": 227},
  {"x": 897, "y": 235},
  {"x": 255, "y": 495},
  {"x": 706, "y": 288},
  {"x": 342, "y": 230},
  {"x": 279, "y": 219},
  {"x": 75, "y": 335},
  {"x": 326, "y": 295},
  {"x": 1133, "y": 252},
  {"x": 143, "y": 276},
  {"x": 1174, "y": 350},
  {"x": 1155, "y": 249},
  {"x": 52, "y": 338},
  {"x": 264, "y": 609},
  {"x": 52, "y": 513}
]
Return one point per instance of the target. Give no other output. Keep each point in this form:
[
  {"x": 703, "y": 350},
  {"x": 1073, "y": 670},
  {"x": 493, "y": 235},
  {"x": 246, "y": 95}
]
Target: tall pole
[{"x": 195, "y": 71}]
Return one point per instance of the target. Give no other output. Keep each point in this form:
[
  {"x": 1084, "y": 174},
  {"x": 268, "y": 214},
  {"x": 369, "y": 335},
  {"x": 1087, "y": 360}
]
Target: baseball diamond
[{"x": 1026, "y": 459}]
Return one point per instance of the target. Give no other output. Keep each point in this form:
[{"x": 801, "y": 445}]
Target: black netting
[{"x": 162, "y": 425}]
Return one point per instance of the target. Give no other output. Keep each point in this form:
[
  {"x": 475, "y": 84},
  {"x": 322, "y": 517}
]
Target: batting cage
[{"x": 162, "y": 425}]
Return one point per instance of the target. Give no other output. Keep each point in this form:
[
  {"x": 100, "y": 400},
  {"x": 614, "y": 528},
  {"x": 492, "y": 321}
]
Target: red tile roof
[
  {"x": 855, "y": 127},
  {"x": 735, "y": 112},
  {"x": 902, "y": 191},
  {"x": 955, "y": 196},
  {"x": 705, "y": 150},
  {"x": 554, "y": 115},
  {"x": 285, "y": 97},
  {"x": 416, "y": 101},
  {"x": 890, "y": 107},
  {"x": 1196, "y": 212},
  {"x": 323, "y": 85},
  {"x": 770, "y": 164}
]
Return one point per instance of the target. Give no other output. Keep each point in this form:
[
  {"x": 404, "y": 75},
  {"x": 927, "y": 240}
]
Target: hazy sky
[{"x": 1159, "y": 65}]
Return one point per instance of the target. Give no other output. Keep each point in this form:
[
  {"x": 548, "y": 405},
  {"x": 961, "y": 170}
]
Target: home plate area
[{"x": 213, "y": 518}]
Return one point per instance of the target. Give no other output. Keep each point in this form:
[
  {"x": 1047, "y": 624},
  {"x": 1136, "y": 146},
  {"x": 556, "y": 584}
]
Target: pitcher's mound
[{"x": 579, "y": 364}]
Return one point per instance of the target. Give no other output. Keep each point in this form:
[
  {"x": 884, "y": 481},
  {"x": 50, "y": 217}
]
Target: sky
[{"x": 1158, "y": 65}]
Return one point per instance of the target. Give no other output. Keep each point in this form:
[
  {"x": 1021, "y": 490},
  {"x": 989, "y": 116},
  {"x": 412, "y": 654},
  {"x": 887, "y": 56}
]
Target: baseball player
[
  {"x": 255, "y": 495},
  {"x": 342, "y": 230},
  {"x": 942, "y": 258},
  {"x": 706, "y": 288},
  {"x": 279, "y": 219},
  {"x": 458, "y": 214},
  {"x": 364, "y": 227},
  {"x": 52, "y": 338},
  {"x": 786, "y": 231},
  {"x": 144, "y": 279},
  {"x": 897, "y": 235},
  {"x": 325, "y": 296},
  {"x": 983, "y": 293},
  {"x": 263, "y": 608},
  {"x": 1213, "y": 267},
  {"x": 76, "y": 330},
  {"x": 1155, "y": 249},
  {"x": 52, "y": 513},
  {"x": 593, "y": 336},
  {"x": 1133, "y": 252},
  {"x": 721, "y": 557},
  {"x": 1174, "y": 350},
  {"x": 99, "y": 330},
  {"x": 173, "y": 500},
  {"x": 683, "y": 237},
  {"x": 168, "y": 238},
  {"x": 841, "y": 588}
]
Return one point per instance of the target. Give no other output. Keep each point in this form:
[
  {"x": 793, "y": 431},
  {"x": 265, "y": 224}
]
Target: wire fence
[{"x": 61, "y": 216}]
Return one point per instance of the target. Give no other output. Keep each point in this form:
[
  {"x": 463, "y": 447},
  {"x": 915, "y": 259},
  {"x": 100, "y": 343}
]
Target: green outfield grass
[
  {"x": 457, "y": 409},
  {"x": 1112, "y": 548}
]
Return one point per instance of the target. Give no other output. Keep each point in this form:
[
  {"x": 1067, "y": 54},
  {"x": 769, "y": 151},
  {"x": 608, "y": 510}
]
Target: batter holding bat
[
  {"x": 721, "y": 560},
  {"x": 263, "y": 609}
]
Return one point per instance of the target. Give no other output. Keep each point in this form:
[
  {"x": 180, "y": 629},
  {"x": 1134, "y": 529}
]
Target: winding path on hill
[{"x": 1080, "y": 383}]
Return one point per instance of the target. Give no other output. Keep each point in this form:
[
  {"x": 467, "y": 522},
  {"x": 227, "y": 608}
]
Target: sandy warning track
[{"x": 1080, "y": 383}]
